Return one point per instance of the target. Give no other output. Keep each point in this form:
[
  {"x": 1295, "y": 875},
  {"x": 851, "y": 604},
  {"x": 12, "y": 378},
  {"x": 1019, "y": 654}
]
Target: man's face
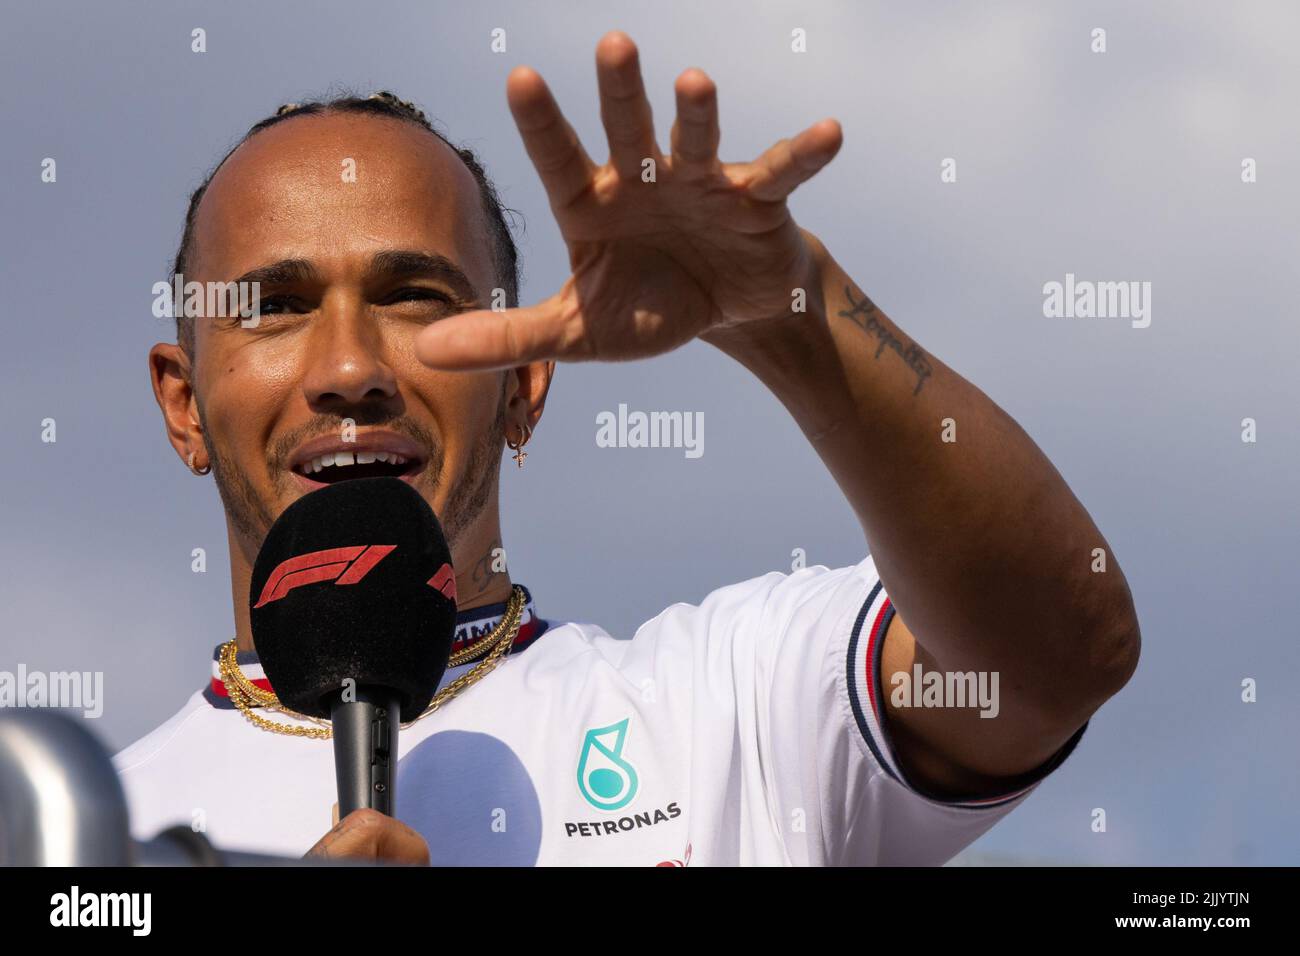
[{"x": 349, "y": 272}]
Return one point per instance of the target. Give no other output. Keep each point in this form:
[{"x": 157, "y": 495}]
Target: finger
[
  {"x": 695, "y": 130},
  {"x": 786, "y": 164},
  {"x": 552, "y": 145},
  {"x": 370, "y": 835},
  {"x": 345, "y": 835},
  {"x": 624, "y": 109},
  {"x": 399, "y": 843},
  {"x": 483, "y": 340},
  {"x": 325, "y": 845}
]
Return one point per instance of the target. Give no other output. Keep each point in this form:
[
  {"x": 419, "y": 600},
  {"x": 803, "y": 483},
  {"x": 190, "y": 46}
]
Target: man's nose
[{"x": 346, "y": 364}]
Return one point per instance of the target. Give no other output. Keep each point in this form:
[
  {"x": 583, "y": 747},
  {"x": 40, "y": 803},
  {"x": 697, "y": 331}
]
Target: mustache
[{"x": 335, "y": 424}]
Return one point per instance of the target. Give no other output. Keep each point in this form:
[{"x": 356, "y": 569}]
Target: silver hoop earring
[{"x": 190, "y": 461}]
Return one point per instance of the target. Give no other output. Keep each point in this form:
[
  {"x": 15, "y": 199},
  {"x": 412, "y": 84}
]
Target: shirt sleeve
[{"x": 807, "y": 646}]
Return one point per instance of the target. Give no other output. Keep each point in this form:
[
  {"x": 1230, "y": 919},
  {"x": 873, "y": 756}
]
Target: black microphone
[{"x": 353, "y": 612}]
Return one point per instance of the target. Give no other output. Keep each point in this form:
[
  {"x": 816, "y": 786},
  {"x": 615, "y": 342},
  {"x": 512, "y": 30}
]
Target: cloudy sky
[{"x": 1123, "y": 165}]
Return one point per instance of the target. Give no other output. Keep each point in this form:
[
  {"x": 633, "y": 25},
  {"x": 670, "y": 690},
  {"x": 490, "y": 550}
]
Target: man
[{"x": 772, "y": 723}]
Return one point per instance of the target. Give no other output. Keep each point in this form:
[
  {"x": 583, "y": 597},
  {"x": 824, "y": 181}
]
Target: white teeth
[{"x": 342, "y": 458}]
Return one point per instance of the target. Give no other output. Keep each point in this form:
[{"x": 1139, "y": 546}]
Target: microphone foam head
[{"x": 354, "y": 582}]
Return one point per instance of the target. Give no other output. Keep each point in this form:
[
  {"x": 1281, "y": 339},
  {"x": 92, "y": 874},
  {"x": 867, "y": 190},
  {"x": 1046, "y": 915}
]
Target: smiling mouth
[{"x": 333, "y": 467}]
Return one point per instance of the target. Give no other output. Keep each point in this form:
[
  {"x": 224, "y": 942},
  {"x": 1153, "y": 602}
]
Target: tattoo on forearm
[{"x": 863, "y": 314}]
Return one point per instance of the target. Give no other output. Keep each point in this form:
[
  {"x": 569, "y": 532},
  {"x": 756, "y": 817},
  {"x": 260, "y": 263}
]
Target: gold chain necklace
[{"x": 246, "y": 695}]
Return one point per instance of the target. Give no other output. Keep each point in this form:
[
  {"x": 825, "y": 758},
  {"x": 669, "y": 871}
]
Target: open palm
[{"x": 662, "y": 248}]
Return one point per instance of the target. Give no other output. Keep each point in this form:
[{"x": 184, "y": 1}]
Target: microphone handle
[{"x": 365, "y": 749}]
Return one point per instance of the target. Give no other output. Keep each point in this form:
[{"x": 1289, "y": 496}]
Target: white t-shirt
[{"x": 744, "y": 730}]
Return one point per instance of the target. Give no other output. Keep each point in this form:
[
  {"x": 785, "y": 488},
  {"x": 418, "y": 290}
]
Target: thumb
[{"x": 484, "y": 339}]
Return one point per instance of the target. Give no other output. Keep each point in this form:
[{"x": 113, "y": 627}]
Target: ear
[
  {"x": 526, "y": 390},
  {"x": 170, "y": 372}
]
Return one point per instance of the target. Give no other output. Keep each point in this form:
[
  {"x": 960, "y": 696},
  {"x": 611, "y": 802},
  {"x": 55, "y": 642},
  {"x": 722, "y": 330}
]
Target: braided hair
[{"x": 505, "y": 255}]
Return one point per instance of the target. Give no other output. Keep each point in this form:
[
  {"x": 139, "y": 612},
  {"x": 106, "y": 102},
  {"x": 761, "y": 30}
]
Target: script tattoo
[
  {"x": 863, "y": 314},
  {"x": 482, "y": 572}
]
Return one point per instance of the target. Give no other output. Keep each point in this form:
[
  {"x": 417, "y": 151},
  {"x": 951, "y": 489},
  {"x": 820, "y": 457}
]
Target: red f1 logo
[
  {"x": 340, "y": 565},
  {"x": 444, "y": 581}
]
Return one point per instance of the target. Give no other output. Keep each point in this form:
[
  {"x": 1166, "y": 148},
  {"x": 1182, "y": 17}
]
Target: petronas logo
[{"x": 607, "y": 781}]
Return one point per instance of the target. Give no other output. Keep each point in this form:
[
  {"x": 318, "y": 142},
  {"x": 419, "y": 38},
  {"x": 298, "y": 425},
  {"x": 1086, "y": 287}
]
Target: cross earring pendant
[{"x": 520, "y": 454}]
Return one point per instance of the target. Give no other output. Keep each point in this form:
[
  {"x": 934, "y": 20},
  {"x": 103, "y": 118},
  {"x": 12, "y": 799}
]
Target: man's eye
[
  {"x": 274, "y": 305},
  {"x": 417, "y": 294},
  {"x": 286, "y": 304}
]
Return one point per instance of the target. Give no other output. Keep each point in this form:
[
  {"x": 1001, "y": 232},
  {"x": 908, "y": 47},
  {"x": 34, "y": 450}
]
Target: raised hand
[{"x": 703, "y": 244}]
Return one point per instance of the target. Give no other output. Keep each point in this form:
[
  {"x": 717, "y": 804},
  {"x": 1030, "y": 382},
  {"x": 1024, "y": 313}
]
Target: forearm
[{"x": 985, "y": 551}]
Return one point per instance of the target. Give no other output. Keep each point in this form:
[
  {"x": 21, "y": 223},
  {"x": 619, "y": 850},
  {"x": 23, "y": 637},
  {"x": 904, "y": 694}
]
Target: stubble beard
[{"x": 252, "y": 516}]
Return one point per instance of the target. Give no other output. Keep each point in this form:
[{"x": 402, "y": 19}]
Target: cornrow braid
[
  {"x": 392, "y": 98},
  {"x": 505, "y": 254}
]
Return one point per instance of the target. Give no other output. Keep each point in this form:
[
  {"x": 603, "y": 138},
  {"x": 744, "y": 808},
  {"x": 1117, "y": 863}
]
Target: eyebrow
[
  {"x": 388, "y": 265},
  {"x": 284, "y": 272},
  {"x": 407, "y": 264}
]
